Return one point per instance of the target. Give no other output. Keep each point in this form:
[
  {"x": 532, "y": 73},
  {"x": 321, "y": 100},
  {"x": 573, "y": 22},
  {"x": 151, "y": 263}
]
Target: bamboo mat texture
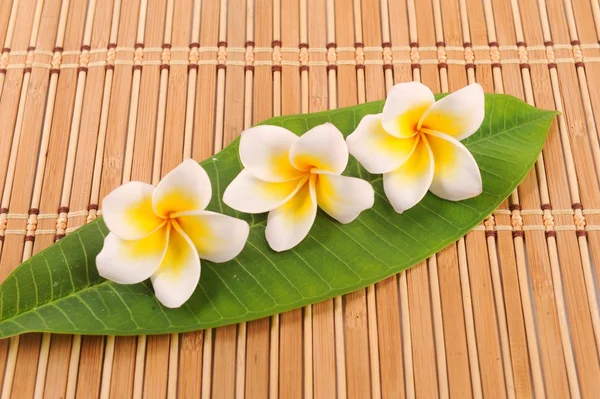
[{"x": 96, "y": 93}]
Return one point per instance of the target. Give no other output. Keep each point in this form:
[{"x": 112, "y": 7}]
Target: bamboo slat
[{"x": 94, "y": 94}]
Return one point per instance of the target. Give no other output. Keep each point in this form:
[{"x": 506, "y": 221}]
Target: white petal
[
  {"x": 407, "y": 185},
  {"x": 377, "y": 150},
  {"x": 405, "y": 105},
  {"x": 265, "y": 152},
  {"x": 456, "y": 175},
  {"x": 131, "y": 261},
  {"x": 322, "y": 147},
  {"x": 218, "y": 238},
  {"x": 343, "y": 197},
  {"x": 290, "y": 223},
  {"x": 248, "y": 194},
  {"x": 185, "y": 188},
  {"x": 458, "y": 114},
  {"x": 128, "y": 211},
  {"x": 177, "y": 277}
]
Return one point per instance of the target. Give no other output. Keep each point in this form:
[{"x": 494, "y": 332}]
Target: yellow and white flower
[
  {"x": 162, "y": 232},
  {"x": 288, "y": 176},
  {"x": 415, "y": 143}
]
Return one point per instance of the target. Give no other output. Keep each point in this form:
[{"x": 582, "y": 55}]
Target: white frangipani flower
[
  {"x": 288, "y": 176},
  {"x": 162, "y": 232},
  {"x": 415, "y": 143}
]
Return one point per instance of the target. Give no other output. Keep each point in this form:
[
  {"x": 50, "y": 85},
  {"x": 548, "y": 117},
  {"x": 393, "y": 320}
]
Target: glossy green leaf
[{"x": 59, "y": 290}]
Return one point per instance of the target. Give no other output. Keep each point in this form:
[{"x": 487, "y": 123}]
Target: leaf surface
[{"x": 59, "y": 289}]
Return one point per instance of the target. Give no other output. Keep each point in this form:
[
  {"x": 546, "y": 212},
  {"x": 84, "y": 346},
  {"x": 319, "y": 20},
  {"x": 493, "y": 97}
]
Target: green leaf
[{"x": 59, "y": 289}]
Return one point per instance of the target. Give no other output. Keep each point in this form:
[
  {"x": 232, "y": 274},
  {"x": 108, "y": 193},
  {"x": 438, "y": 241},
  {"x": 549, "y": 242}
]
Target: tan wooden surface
[{"x": 96, "y": 93}]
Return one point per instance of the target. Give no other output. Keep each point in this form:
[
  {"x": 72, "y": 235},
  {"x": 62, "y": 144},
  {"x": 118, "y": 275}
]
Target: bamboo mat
[{"x": 96, "y": 93}]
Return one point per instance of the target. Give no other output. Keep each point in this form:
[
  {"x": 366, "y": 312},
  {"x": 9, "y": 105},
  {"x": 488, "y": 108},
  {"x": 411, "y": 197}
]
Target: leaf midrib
[
  {"x": 503, "y": 132},
  {"x": 253, "y": 225},
  {"x": 91, "y": 287}
]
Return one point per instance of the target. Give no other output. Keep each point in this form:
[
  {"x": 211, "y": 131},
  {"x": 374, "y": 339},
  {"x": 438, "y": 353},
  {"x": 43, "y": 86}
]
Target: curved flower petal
[
  {"x": 290, "y": 223},
  {"x": 218, "y": 238},
  {"x": 456, "y": 175},
  {"x": 185, "y": 188},
  {"x": 264, "y": 151},
  {"x": 377, "y": 150},
  {"x": 458, "y": 114},
  {"x": 408, "y": 184},
  {"x": 248, "y": 194},
  {"x": 128, "y": 211},
  {"x": 177, "y": 277},
  {"x": 132, "y": 261},
  {"x": 405, "y": 105},
  {"x": 343, "y": 197},
  {"x": 322, "y": 147}
]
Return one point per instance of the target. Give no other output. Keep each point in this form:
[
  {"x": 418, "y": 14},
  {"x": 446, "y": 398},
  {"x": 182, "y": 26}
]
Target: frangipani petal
[
  {"x": 177, "y": 277},
  {"x": 218, "y": 238},
  {"x": 322, "y": 147},
  {"x": 185, "y": 188},
  {"x": 456, "y": 175},
  {"x": 249, "y": 194},
  {"x": 132, "y": 261},
  {"x": 458, "y": 114},
  {"x": 377, "y": 150},
  {"x": 128, "y": 211},
  {"x": 405, "y": 105},
  {"x": 264, "y": 152},
  {"x": 407, "y": 185},
  {"x": 290, "y": 223},
  {"x": 343, "y": 197}
]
